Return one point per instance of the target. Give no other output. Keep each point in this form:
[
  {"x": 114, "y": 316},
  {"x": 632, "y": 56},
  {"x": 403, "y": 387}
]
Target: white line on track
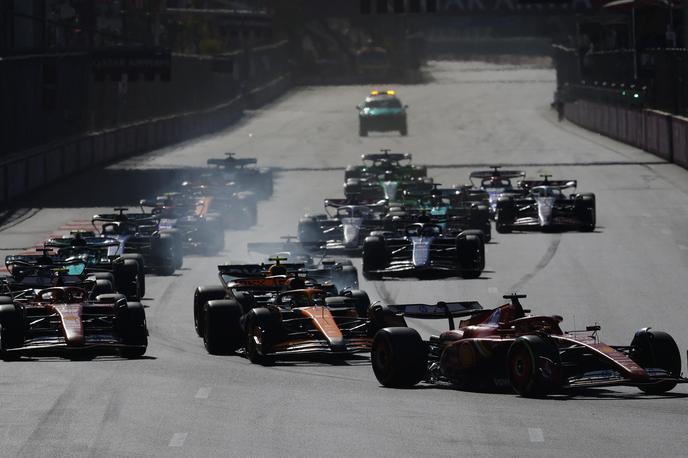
[
  {"x": 202, "y": 393},
  {"x": 178, "y": 439},
  {"x": 536, "y": 435}
]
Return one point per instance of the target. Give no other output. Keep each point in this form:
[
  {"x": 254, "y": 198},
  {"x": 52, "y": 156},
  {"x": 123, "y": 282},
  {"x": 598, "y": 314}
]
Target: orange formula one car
[
  {"x": 504, "y": 346},
  {"x": 272, "y": 315}
]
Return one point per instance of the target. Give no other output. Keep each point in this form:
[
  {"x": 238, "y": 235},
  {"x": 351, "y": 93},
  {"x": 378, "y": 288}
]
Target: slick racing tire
[
  {"x": 309, "y": 230},
  {"x": 585, "y": 212},
  {"x": 469, "y": 252},
  {"x": 375, "y": 257},
  {"x": 362, "y": 301},
  {"x": 505, "y": 215},
  {"x": 533, "y": 366},
  {"x": 126, "y": 279},
  {"x": 403, "y": 130},
  {"x": 165, "y": 250},
  {"x": 141, "y": 272},
  {"x": 130, "y": 322},
  {"x": 262, "y": 325},
  {"x": 352, "y": 171},
  {"x": 222, "y": 332},
  {"x": 656, "y": 349},
  {"x": 381, "y": 316},
  {"x": 202, "y": 295},
  {"x": 101, "y": 287},
  {"x": 362, "y": 129},
  {"x": 399, "y": 357},
  {"x": 11, "y": 329}
]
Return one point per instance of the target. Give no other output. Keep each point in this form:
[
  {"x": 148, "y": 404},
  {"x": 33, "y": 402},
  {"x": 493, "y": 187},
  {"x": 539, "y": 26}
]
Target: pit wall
[
  {"x": 32, "y": 169},
  {"x": 662, "y": 134}
]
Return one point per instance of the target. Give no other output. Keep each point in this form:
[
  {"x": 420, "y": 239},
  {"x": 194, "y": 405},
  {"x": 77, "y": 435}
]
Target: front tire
[
  {"x": 534, "y": 366},
  {"x": 222, "y": 331},
  {"x": 656, "y": 349}
]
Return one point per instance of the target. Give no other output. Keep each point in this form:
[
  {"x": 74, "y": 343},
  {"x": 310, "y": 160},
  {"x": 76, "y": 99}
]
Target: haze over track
[{"x": 180, "y": 401}]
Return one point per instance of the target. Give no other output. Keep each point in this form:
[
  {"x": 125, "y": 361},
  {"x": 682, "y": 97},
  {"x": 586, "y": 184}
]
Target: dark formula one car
[
  {"x": 543, "y": 206},
  {"x": 278, "y": 316},
  {"x": 382, "y": 111},
  {"x": 344, "y": 227},
  {"x": 384, "y": 176},
  {"x": 200, "y": 230},
  {"x": 311, "y": 261},
  {"x": 141, "y": 234},
  {"x": 504, "y": 346},
  {"x": 245, "y": 174},
  {"x": 41, "y": 271},
  {"x": 423, "y": 249},
  {"x": 455, "y": 209},
  {"x": 126, "y": 271},
  {"x": 67, "y": 321},
  {"x": 496, "y": 183}
]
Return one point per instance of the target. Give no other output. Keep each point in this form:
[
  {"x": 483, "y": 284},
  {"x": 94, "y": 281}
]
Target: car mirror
[
  {"x": 405, "y": 107},
  {"x": 358, "y": 107}
]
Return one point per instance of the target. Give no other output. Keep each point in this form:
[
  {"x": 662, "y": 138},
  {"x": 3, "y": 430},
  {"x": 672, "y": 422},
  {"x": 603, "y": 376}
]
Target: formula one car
[
  {"x": 245, "y": 174},
  {"x": 65, "y": 320},
  {"x": 29, "y": 273},
  {"x": 454, "y": 209},
  {"x": 141, "y": 234},
  {"x": 311, "y": 261},
  {"x": 421, "y": 250},
  {"x": 344, "y": 227},
  {"x": 126, "y": 271},
  {"x": 505, "y": 346},
  {"x": 384, "y": 177},
  {"x": 198, "y": 228},
  {"x": 382, "y": 111},
  {"x": 496, "y": 183},
  {"x": 280, "y": 316},
  {"x": 122, "y": 274},
  {"x": 542, "y": 206}
]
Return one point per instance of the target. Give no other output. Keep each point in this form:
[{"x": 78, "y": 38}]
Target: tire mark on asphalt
[
  {"x": 546, "y": 258},
  {"x": 11, "y": 218}
]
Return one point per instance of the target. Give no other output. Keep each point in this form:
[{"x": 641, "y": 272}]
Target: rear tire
[
  {"x": 202, "y": 295},
  {"x": 127, "y": 278},
  {"x": 309, "y": 230},
  {"x": 469, "y": 252},
  {"x": 585, "y": 212},
  {"x": 505, "y": 215},
  {"x": 399, "y": 357},
  {"x": 375, "y": 257},
  {"x": 659, "y": 350},
  {"x": 222, "y": 332}
]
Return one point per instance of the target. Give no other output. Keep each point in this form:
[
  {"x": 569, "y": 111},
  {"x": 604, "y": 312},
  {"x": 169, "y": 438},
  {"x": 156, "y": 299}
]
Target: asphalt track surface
[{"x": 180, "y": 401}]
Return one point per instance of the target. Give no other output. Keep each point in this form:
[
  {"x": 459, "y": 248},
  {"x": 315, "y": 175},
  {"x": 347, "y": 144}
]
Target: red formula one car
[
  {"x": 63, "y": 321},
  {"x": 504, "y": 346}
]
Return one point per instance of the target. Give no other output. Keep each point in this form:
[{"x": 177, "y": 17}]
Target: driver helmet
[{"x": 277, "y": 269}]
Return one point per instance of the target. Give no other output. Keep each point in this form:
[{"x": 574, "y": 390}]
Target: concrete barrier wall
[
  {"x": 657, "y": 132},
  {"x": 30, "y": 170},
  {"x": 680, "y": 140}
]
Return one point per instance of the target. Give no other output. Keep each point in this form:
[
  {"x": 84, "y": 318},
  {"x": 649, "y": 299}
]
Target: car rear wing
[
  {"x": 448, "y": 310},
  {"x": 482, "y": 174},
  {"x": 561, "y": 184},
  {"x": 88, "y": 242},
  {"x": 255, "y": 270},
  {"x": 337, "y": 203},
  {"x": 387, "y": 156},
  {"x": 231, "y": 162}
]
